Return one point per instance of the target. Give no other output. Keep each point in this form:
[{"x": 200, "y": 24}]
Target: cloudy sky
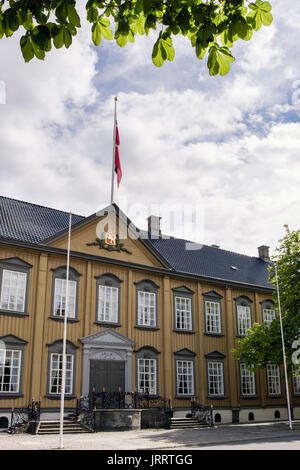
[{"x": 222, "y": 151}]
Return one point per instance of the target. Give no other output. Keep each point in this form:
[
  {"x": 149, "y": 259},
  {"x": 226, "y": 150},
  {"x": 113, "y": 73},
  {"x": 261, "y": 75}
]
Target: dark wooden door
[{"x": 108, "y": 375}]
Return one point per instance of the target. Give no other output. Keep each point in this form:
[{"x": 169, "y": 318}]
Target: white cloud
[{"x": 223, "y": 143}]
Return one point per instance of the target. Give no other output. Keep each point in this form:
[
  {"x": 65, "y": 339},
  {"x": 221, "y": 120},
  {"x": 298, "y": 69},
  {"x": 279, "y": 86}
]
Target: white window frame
[
  {"x": 13, "y": 292},
  {"x": 247, "y": 378},
  {"x": 243, "y": 319},
  {"x": 108, "y": 304},
  {"x": 14, "y": 356},
  {"x": 146, "y": 311},
  {"x": 183, "y": 313},
  {"x": 212, "y": 317},
  {"x": 59, "y": 303},
  {"x": 215, "y": 375},
  {"x": 268, "y": 315},
  {"x": 147, "y": 376},
  {"x": 56, "y": 373},
  {"x": 185, "y": 377},
  {"x": 273, "y": 380}
]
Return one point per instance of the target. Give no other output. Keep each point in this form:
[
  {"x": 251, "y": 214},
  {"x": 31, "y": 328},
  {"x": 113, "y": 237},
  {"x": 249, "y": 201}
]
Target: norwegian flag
[{"x": 118, "y": 168}]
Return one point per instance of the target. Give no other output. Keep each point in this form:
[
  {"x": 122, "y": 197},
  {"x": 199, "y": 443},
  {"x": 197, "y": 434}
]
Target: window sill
[
  {"x": 144, "y": 327},
  {"x": 12, "y": 313},
  {"x": 207, "y": 333},
  {"x": 219, "y": 397},
  {"x": 58, "y": 397},
  {"x": 184, "y": 397},
  {"x": 8, "y": 395},
  {"x": 274, "y": 396},
  {"x": 184, "y": 332},
  {"x": 61, "y": 319},
  {"x": 249, "y": 397},
  {"x": 106, "y": 323}
]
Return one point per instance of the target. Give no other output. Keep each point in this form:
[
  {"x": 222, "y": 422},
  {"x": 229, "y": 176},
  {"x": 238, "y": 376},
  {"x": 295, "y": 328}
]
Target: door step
[
  {"x": 53, "y": 427},
  {"x": 185, "y": 423}
]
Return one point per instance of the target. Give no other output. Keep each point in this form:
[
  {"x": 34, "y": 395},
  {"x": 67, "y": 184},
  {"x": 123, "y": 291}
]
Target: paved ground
[{"x": 222, "y": 435}]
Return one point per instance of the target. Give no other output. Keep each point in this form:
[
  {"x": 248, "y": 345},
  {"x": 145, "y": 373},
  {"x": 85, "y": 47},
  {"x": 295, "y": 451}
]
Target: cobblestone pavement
[{"x": 152, "y": 439}]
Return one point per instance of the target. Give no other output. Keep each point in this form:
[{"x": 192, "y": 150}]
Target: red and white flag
[{"x": 118, "y": 168}]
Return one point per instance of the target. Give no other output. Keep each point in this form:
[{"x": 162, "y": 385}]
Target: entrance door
[{"x": 108, "y": 375}]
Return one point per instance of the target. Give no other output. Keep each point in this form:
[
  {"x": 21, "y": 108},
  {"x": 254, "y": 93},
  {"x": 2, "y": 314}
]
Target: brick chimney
[
  {"x": 154, "y": 226},
  {"x": 263, "y": 252}
]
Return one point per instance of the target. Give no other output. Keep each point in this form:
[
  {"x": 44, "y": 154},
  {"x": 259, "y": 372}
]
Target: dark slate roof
[
  {"x": 23, "y": 221},
  {"x": 31, "y": 223},
  {"x": 208, "y": 261}
]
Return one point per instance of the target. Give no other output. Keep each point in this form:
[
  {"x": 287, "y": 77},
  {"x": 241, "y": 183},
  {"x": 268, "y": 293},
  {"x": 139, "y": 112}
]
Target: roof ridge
[{"x": 39, "y": 205}]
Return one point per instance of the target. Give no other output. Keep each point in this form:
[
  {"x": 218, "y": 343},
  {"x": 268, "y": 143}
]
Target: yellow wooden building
[{"x": 145, "y": 313}]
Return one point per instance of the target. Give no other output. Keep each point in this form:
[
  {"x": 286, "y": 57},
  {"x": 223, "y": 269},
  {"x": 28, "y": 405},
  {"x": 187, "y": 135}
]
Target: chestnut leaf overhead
[{"x": 211, "y": 26}]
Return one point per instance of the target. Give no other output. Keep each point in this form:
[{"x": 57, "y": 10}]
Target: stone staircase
[
  {"x": 71, "y": 426},
  {"x": 186, "y": 423}
]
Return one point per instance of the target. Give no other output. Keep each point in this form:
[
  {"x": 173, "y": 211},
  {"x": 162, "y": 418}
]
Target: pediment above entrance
[{"x": 107, "y": 337}]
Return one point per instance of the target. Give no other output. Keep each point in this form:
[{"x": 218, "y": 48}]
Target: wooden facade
[{"x": 39, "y": 330}]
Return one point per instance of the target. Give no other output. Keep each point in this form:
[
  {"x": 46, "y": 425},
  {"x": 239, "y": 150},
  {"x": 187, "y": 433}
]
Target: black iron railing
[
  {"x": 204, "y": 414},
  {"x": 121, "y": 400},
  {"x": 25, "y": 418}
]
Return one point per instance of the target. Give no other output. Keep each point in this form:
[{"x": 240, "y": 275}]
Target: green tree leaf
[
  {"x": 73, "y": 16},
  {"x": 26, "y": 48},
  {"x": 206, "y": 24},
  {"x": 96, "y": 34}
]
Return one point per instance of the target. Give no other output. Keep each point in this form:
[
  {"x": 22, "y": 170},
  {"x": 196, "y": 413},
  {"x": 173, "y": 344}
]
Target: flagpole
[
  {"x": 113, "y": 155},
  {"x": 63, "y": 379},
  {"x": 283, "y": 352}
]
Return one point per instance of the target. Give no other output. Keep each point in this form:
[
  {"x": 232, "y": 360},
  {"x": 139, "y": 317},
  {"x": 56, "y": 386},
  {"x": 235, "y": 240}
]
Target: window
[
  {"x": 183, "y": 313},
  {"x": 146, "y": 309},
  {"x": 268, "y": 311},
  {"x": 147, "y": 370},
  {"x": 247, "y": 381},
  {"x": 273, "y": 380},
  {"x": 212, "y": 310},
  {"x": 213, "y": 317},
  {"x": 268, "y": 315},
  {"x": 244, "y": 321},
  {"x": 215, "y": 374},
  {"x": 215, "y": 378},
  {"x": 13, "y": 291},
  {"x": 147, "y": 304},
  {"x": 14, "y": 274},
  {"x": 56, "y": 368},
  {"x": 108, "y": 304},
  {"x": 10, "y": 370},
  {"x": 147, "y": 376},
  {"x": 185, "y": 377},
  {"x": 108, "y": 299},
  {"x": 11, "y": 365},
  {"x": 60, "y": 296},
  {"x": 59, "y": 293},
  {"x": 296, "y": 382},
  {"x": 183, "y": 309}
]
